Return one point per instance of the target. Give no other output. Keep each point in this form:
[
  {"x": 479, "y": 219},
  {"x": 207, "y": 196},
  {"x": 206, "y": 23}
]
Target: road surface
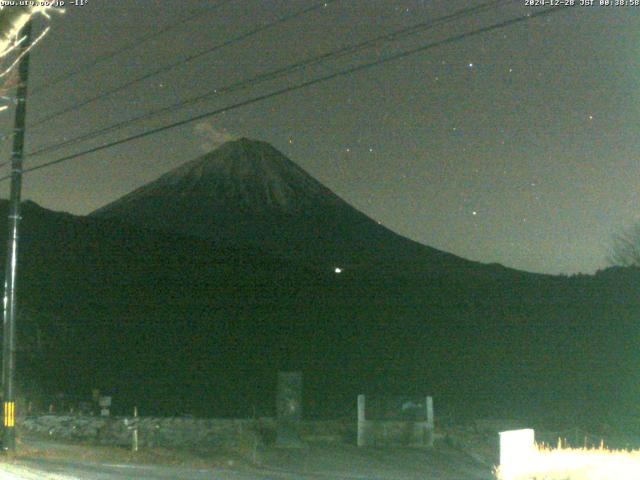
[
  {"x": 45, "y": 469},
  {"x": 56, "y": 461}
]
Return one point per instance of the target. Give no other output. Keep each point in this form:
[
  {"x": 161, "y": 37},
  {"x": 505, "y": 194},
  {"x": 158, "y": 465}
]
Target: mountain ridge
[{"x": 247, "y": 191}]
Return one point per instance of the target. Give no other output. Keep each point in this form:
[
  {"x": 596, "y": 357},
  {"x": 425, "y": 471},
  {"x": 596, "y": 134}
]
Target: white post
[
  {"x": 517, "y": 451},
  {"x": 362, "y": 440},
  {"x": 134, "y": 443},
  {"x": 430, "y": 422}
]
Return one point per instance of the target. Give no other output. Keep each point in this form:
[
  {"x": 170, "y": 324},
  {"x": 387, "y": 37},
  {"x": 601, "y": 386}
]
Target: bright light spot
[
  {"x": 590, "y": 117},
  {"x": 12, "y": 20},
  {"x": 337, "y": 270},
  {"x": 471, "y": 65},
  {"x": 474, "y": 213}
]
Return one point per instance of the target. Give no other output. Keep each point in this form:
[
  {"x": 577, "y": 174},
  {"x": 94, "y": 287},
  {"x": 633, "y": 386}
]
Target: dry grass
[
  {"x": 576, "y": 464},
  {"x": 32, "y": 447}
]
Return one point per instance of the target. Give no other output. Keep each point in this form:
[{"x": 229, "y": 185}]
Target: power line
[
  {"x": 130, "y": 46},
  {"x": 173, "y": 65},
  {"x": 302, "y": 85},
  {"x": 350, "y": 49}
]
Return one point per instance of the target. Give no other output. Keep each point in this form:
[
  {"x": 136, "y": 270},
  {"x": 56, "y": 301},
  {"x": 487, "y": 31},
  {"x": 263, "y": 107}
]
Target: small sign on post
[{"x": 105, "y": 403}]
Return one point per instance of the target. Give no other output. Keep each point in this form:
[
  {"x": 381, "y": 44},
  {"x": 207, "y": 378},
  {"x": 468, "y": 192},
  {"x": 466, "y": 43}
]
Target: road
[
  {"x": 58, "y": 461},
  {"x": 56, "y": 469},
  {"x": 45, "y": 469}
]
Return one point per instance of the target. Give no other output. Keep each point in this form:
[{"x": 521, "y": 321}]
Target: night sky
[{"x": 517, "y": 146}]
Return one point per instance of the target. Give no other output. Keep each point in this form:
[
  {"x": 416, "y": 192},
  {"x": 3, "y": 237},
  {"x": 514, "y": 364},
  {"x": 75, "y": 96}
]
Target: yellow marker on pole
[{"x": 9, "y": 414}]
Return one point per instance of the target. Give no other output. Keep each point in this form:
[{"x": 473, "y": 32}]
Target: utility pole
[{"x": 11, "y": 272}]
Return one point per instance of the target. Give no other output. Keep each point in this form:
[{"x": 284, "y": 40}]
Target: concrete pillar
[
  {"x": 362, "y": 422},
  {"x": 430, "y": 421},
  {"x": 289, "y": 409}
]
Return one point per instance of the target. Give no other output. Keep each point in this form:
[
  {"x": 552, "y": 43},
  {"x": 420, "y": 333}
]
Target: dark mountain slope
[{"x": 247, "y": 192}]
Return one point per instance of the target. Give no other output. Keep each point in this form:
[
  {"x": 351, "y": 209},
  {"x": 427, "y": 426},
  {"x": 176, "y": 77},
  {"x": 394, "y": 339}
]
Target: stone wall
[
  {"x": 163, "y": 432},
  {"x": 196, "y": 433},
  {"x": 396, "y": 433}
]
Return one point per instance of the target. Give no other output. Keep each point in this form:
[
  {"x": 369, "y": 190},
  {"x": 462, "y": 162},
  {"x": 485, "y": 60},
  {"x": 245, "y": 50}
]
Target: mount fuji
[{"x": 248, "y": 192}]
